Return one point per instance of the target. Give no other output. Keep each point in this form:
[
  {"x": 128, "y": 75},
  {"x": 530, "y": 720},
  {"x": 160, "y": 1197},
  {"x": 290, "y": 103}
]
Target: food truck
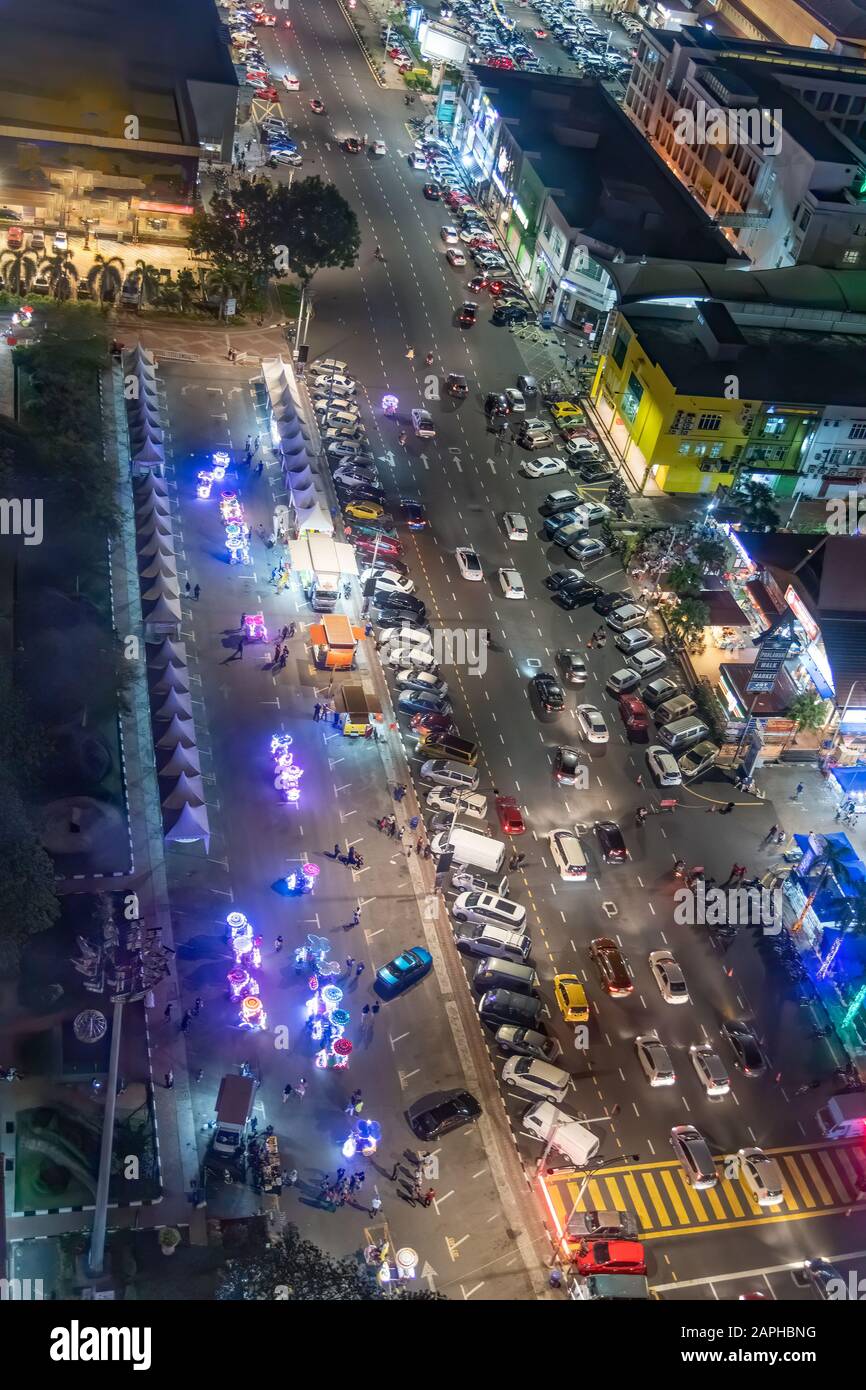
[
  {"x": 358, "y": 710},
  {"x": 334, "y": 642}
]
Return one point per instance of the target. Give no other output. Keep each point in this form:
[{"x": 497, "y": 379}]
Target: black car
[
  {"x": 496, "y": 403},
  {"x": 548, "y": 692},
  {"x": 576, "y": 596},
  {"x": 414, "y": 702},
  {"x": 745, "y": 1047},
  {"x": 401, "y": 603},
  {"x": 432, "y": 192},
  {"x": 564, "y": 579},
  {"x": 411, "y": 512},
  {"x": 596, "y": 471},
  {"x": 468, "y": 315},
  {"x": 368, "y": 493},
  {"x": 610, "y": 842},
  {"x": 567, "y": 766},
  {"x": 432, "y": 1117},
  {"x": 509, "y": 313},
  {"x": 607, "y": 601},
  {"x": 455, "y": 385}
]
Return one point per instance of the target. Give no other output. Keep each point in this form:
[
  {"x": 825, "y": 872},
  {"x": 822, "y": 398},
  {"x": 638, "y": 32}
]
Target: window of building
[
  {"x": 716, "y": 451},
  {"x": 701, "y": 449},
  {"x": 548, "y": 228},
  {"x": 850, "y": 257},
  {"x": 684, "y": 449},
  {"x": 620, "y": 348},
  {"x": 631, "y": 399},
  {"x": 709, "y": 422},
  {"x": 774, "y": 424},
  {"x": 805, "y": 219},
  {"x": 858, "y": 431}
]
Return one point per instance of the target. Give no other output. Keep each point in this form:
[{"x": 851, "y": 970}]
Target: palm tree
[
  {"x": 226, "y": 283},
  {"x": 832, "y": 862},
  {"x": 807, "y": 711},
  {"x": 105, "y": 276},
  {"x": 148, "y": 282},
  {"x": 19, "y": 267},
  {"x": 187, "y": 288},
  {"x": 61, "y": 272},
  {"x": 756, "y": 504}
]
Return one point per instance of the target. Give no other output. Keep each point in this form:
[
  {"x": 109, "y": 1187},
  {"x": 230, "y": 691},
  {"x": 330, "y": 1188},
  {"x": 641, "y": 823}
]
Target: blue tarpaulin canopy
[
  {"x": 850, "y": 780},
  {"x": 842, "y": 883}
]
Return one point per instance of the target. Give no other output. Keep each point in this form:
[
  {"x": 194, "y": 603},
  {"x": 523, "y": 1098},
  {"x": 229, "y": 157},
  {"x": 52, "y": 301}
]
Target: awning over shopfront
[
  {"x": 850, "y": 780},
  {"x": 735, "y": 675},
  {"x": 762, "y": 599},
  {"x": 724, "y": 609}
]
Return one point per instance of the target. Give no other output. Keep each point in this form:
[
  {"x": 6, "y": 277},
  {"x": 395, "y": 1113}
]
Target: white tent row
[{"x": 182, "y": 795}]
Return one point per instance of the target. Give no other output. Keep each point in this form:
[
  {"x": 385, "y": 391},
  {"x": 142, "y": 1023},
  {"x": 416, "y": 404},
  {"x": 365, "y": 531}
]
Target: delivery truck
[
  {"x": 234, "y": 1107},
  {"x": 844, "y": 1116},
  {"x": 334, "y": 643}
]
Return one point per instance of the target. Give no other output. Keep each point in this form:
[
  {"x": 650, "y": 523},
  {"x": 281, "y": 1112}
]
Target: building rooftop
[
  {"x": 773, "y": 364},
  {"x": 819, "y": 138},
  {"x": 85, "y": 68},
  {"x": 797, "y": 287},
  {"x": 617, "y": 190}
]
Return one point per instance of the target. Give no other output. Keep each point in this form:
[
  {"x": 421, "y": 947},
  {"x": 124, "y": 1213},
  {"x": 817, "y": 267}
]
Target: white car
[
  {"x": 454, "y": 256},
  {"x": 592, "y": 724},
  {"x": 418, "y": 161},
  {"x": 648, "y": 661},
  {"x": 286, "y": 157},
  {"x": 404, "y": 634},
  {"x": 390, "y": 581},
  {"x": 669, "y": 978},
  {"x": 473, "y": 804},
  {"x": 511, "y": 583},
  {"x": 583, "y": 450},
  {"x": 762, "y": 1177},
  {"x": 468, "y": 562},
  {"x": 328, "y": 365},
  {"x": 543, "y": 467},
  {"x": 663, "y": 766},
  {"x": 449, "y": 235},
  {"x": 333, "y": 382},
  {"x": 621, "y": 681},
  {"x": 61, "y": 241},
  {"x": 402, "y": 656},
  {"x": 379, "y": 147},
  {"x": 568, "y": 856},
  {"x": 421, "y": 682},
  {"x": 350, "y": 418},
  {"x": 324, "y": 405},
  {"x": 291, "y": 83},
  {"x": 536, "y": 1078},
  {"x": 516, "y": 400},
  {"x": 515, "y": 525},
  {"x": 711, "y": 1070},
  {"x": 422, "y": 424},
  {"x": 655, "y": 1060}
]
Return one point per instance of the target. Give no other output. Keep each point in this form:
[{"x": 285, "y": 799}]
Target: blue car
[
  {"x": 555, "y": 523},
  {"x": 404, "y": 971},
  {"x": 282, "y": 147}
]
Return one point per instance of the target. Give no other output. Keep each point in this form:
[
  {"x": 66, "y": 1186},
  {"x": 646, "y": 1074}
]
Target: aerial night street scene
[{"x": 433, "y": 666}]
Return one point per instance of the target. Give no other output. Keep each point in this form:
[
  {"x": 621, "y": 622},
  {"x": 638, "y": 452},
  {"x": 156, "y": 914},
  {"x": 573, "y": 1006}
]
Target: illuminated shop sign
[{"x": 801, "y": 613}]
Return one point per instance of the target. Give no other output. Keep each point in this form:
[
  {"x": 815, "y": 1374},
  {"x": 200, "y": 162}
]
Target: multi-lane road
[{"x": 372, "y": 317}]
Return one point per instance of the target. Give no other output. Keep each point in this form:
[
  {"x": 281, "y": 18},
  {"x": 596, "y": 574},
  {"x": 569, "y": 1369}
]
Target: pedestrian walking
[
  {"x": 376, "y": 1205},
  {"x": 359, "y": 1177},
  {"x": 375, "y": 1009},
  {"x": 352, "y": 857},
  {"x": 798, "y": 791},
  {"x": 771, "y": 834},
  {"x": 184, "y": 1023},
  {"x": 169, "y": 1080},
  {"x": 278, "y": 944},
  {"x": 350, "y": 961},
  {"x": 239, "y": 650},
  {"x": 413, "y": 822},
  {"x": 395, "y": 1171},
  {"x": 726, "y": 810},
  {"x": 365, "y": 1012},
  {"x": 187, "y": 588},
  {"x": 317, "y": 711},
  {"x": 199, "y": 1076},
  {"x": 290, "y": 1178},
  {"x": 243, "y": 621},
  {"x": 335, "y": 719},
  {"x": 167, "y": 1014},
  {"x": 196, "y": 592},
  {"x": 336, "y": 853},
  {"x": 301, "y": 1087},
  {"x": 639, "y": 779},
  {"x": 287, "y": 1091},
  {"x": 428, "y": 1196},
  {"x": 248, "y": 443},
  {"x": 419, "y": 844},
  {"x": 360, "y": 968},
  {"x": 197, "y": 1006}
]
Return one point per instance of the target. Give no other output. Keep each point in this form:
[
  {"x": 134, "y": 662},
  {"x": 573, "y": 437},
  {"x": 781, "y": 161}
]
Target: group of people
[
  {"x": 336, "y": 1193},
  {"x": 597, "y": 638}
]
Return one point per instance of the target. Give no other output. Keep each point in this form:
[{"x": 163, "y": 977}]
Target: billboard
[{"x": 442, "y": 45}]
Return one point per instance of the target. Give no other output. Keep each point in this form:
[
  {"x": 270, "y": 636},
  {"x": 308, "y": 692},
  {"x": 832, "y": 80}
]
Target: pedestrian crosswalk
[{"x": 818, "y": 1179}]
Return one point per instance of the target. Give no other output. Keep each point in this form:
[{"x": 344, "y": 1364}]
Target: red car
[
  {"x": 497, "y": 287},
  {"x": 479, "y": 282},
  {"x": 468, "y": 315},
  {"x": 610, "y": 1257},
  {"x": 510, "y": 815},
  {"x": 267, "y": 93},
  {"x": 366, "y": 545},
  {"x": 425, "y": 724},
  {"x": 485, "y": 243}
]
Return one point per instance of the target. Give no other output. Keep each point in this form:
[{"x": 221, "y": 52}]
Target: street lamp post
[
  {"x": 567, "y": 1120},
  {"x": 590, "y": 1173}
]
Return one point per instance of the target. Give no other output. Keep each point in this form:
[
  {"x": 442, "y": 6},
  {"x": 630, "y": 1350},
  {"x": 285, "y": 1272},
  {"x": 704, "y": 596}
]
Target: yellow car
[
  {"x": 570, "y": 997},
  {"x": 560, "y": 410},
  {"x": 363, "y": 511}
]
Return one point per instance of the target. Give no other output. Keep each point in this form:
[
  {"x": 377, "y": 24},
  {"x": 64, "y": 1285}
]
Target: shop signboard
[{"x": 772, "y": 654}]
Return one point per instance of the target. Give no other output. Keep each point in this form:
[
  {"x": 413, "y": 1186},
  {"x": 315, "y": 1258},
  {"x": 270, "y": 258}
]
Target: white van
[
  {"x": 678, "y": 707},
  {"x": 468, "y": 847},
  {"x": 572, "y": 1139},
  {"x": 567, "y": 854},
  {"x": 682, "y": 732},
  {"x": 445, "y": 774},
  {"x": 487, "y": 907},
  {"x": 536, "y": 1078}
]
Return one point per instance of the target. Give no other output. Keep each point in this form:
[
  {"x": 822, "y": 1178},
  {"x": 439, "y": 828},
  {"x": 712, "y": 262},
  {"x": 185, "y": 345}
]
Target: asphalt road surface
[{"x": 371, "y": 317}]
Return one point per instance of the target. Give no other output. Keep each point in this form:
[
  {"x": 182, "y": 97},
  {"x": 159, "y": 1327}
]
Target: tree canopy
[{"x": 262, "y": 230}]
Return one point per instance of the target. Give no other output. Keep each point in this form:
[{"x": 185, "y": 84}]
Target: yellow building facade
[{"x": 680, "y": 443}]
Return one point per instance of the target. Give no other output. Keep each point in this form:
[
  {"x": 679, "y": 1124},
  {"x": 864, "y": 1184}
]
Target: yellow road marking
[{"x": 655, "y": 1198}]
